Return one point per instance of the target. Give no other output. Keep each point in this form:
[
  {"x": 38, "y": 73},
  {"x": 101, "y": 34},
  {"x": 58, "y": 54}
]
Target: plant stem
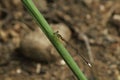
[{"x": 54, "y": 39}]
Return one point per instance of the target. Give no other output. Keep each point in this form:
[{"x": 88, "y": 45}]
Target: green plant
[{"x": 54, "y": 39}]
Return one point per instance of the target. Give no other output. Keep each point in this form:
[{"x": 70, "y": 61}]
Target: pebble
[
  {"x": 62, "y": 62},
  {"x": 18, "y": 71},
  {"x": 37, "y": 47},
  {"x": 116, "y": 17}
]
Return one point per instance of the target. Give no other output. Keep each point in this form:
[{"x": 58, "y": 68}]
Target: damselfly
[{"x": 59, "y": 36}]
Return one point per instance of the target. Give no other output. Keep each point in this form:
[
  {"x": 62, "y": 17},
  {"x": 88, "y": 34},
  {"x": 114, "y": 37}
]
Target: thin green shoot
[{"x": 54, "y": 39}]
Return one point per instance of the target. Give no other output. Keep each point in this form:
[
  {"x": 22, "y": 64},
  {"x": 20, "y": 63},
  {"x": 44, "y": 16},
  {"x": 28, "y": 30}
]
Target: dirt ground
[{"x": 95, "y": 32}]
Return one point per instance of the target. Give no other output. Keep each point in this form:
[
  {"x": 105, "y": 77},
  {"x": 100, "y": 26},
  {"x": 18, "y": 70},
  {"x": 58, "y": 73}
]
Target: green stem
[{"x": 54, "y": 39}]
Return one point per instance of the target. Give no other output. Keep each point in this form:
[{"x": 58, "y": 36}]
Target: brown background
[{"x": 97, "y": 20}]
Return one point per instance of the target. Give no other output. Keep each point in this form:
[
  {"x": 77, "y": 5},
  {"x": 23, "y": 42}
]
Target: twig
[{"x": 88, "y": 47}]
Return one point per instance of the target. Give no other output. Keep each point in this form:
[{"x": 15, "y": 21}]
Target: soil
[{"x": 95, "y": 33}]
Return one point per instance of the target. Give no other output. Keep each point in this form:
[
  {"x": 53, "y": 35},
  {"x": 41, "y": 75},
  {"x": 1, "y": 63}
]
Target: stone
[{"x": 37, "y": 47}]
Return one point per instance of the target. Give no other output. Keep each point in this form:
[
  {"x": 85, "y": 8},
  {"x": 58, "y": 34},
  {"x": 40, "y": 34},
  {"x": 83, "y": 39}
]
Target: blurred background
[{"x": 92, "y": 27}]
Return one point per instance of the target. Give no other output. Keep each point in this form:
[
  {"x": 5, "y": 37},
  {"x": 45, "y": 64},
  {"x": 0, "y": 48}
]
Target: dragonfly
[{"x": 84, "y": 59}]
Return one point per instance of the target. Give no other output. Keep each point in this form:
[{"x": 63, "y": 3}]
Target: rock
[{"x": 37, "y": 47}]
